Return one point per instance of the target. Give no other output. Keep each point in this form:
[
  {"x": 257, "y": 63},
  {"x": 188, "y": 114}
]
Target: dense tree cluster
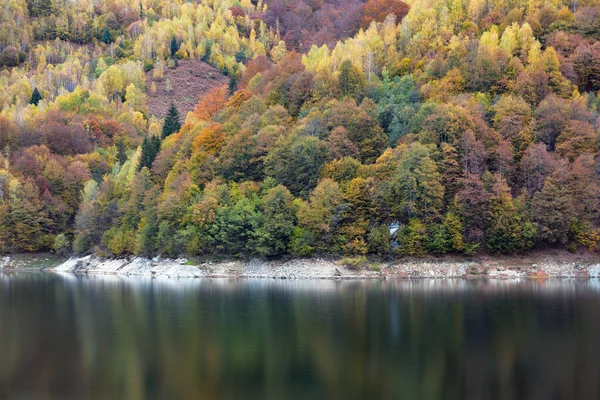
[
  {"x": 303, "y": 23},
  {"x": 55, "y": 48},
  {"x": 463, "y": 127}
]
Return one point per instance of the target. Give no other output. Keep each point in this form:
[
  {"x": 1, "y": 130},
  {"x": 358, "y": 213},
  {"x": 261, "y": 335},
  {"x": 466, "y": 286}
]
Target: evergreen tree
[
  {"x": 396, "y": 130},
  {"x": 35, "y": 97},
  {"x": 174, "y": 46},
  {"x": 121, "y": 153},
  {"x": 171, "y": 124},
  {"x": 232, "y": 84},
  {"x": 209, "y": 45},
  {"x": 106, "y": 36},
  {"x": 150, "y": 148}
]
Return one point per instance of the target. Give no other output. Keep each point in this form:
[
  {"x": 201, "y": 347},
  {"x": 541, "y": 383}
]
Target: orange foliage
[
  {"x": 210, "y": 139},
  {"x": 238, "y": 98},
  {"x": 210, "y": 103}
]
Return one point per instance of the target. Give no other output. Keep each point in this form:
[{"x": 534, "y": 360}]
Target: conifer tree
[
  {"x": 106, "y": 36},
  {"x": 35, "y": 97},
  {"x": 150, "y": 148},
  {"x": 172, "y": 123},
  {"x": 121, "y": 153},
  {"x": 174, "y": 46},
  {"x": 232, "y": 84}
]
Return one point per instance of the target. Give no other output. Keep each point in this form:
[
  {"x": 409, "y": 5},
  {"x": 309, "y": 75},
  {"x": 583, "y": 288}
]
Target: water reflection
[{"x": 67, "y": 337}]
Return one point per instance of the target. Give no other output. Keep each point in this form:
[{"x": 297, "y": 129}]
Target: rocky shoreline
[
  {"x": 182, "y": 268},
  {"x": 540, "y": 265},
  {"x": 544, "y": 265}
]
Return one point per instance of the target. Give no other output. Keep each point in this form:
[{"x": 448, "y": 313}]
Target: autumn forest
[{"x": 299, "y": 127}]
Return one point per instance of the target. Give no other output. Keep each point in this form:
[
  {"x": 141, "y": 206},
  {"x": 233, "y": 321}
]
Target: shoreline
[{"x": 554, "y": 264}]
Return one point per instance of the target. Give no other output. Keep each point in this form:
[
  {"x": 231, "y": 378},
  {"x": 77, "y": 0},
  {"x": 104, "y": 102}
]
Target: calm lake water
[{"x": 67, "y": 337}]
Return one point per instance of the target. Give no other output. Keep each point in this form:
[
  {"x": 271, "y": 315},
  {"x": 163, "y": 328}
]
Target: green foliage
[
  {"x": 412, "y": 239},
  {"x": 510, "y": 229},
  {"x": 352, "y": 80},
  {"x": 61, "y": 244},
  {"x": 173, "y": 46},
  {"x": 150, "y": 149},
  {"x": 172, "y": 123},
  {"x": 354, "y": 263},
  {"x": 233, "y": 84},
  {"x": 296, "y": 163},
  {"x": 36, "y": 97},
  {"x": 447, "y": 237},
  {"x": 107, "y": 36},
  {"x": 467, "y": 130},
  {"x": 302, "y": 242},
  {"x": 235, "y": 226},
  {"x": 10, "y": 57},
  {"x": 121, "y": 152},
  {"x": 397, "y": 101},
  {"x": 279, "y": 212},
  {"x": 379, "y": 240},
  {"x": 207, "y": 53},
  {"x": 118, "y": 241},
  {"x": 416, "y": 190},
  {"x": 321, "y": 215},
  {"x": 375, "y": 267}
]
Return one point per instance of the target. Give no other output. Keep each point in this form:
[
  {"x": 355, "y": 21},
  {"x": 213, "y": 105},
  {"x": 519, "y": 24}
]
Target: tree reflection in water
[{"x": 118, "y": 338}]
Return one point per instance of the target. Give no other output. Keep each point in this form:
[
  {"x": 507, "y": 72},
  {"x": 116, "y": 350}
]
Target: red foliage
[
  {"x": 30, "y": 161},
  {"x": 378, "y": 10},
  {"x": 63, "y": 135},
  {"x": 237, "y": 11},
  {"x": 110, "y": 128},
  {"x": 8, "y": 133},
  {"x": 255, "y": 66},
  {"x": 77, "y": 172},
  {"x": 303, "y": 23},
  {"x": 340, "y": 146},
  {"x": 289, "y": 65}
]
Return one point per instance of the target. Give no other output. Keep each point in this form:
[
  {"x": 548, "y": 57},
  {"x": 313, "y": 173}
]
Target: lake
[{"x": 75, "y": 337}]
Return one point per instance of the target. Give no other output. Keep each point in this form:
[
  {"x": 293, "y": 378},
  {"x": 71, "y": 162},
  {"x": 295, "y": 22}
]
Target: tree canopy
[{"x": 443, "y": 127}]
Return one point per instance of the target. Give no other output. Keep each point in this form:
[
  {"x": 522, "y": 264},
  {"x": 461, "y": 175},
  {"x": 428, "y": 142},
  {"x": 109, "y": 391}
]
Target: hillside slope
[
  {"x": 465, "y": 127},
  {"x": 182, "y": 86}
]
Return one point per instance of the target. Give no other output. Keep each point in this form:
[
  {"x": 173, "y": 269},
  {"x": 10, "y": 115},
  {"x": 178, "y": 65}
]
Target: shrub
[
  {"x": 61, "y": 244},
  {"x": 375, "y": 267},
  {"x": 354, "y": 263},
  {"x": 9, "y": 57},
  {"x": 148, "y": 65}
]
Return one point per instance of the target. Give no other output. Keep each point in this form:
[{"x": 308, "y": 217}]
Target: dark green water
[{"x": 65, "y": 337}]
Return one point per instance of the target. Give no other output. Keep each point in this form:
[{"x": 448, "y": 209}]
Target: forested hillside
[
  {"x": 447, "y": 126},
  {"x": 304, "y": 23}
]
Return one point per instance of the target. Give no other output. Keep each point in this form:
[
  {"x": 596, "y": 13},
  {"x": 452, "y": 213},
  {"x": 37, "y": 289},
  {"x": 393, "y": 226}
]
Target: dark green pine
[
  {"x": 150, "y": 149},
  {"x": 106, "y": 36},
  {"x": 174, "y": 46},
  {"x": 171, "y": 124},
  {"x": 36, "y": 97}
]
